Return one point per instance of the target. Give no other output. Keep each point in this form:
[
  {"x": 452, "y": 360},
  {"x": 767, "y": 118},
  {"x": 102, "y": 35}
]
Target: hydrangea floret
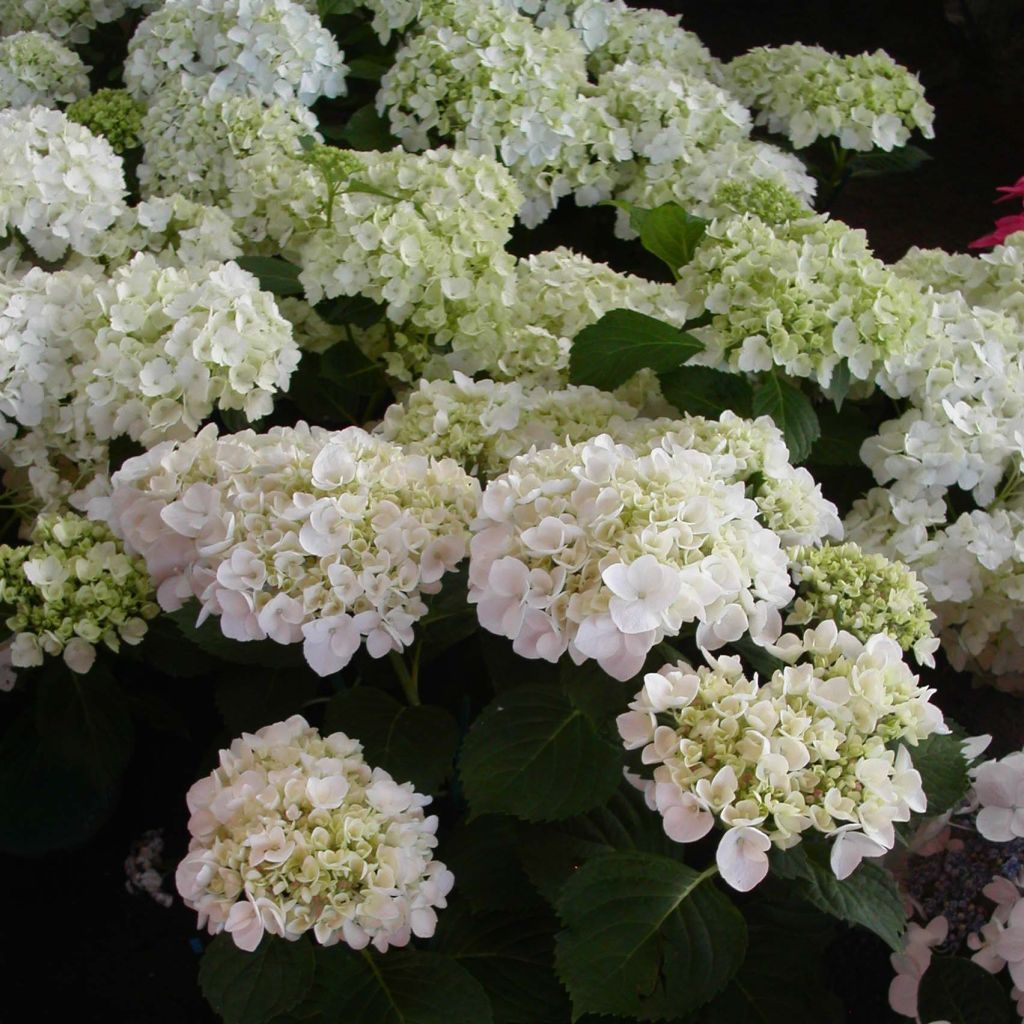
[
  {"x": 37, "y": 70},
  {"x": 294, "y": 832},
  {"x": 598, "y": 551},
  {"x": 301, "y": 534},
  {"x": 71, "y": 20},
  {"x": 864, "y": 594},
  {"x": 71, "y": 589},
  {"x": 822, "y": 745}
]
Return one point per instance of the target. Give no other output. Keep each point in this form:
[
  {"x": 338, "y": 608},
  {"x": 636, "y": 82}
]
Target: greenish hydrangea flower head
[
  {"x": 807, "y": 93},
  {"x": 36, "y": 70},
  {"x": 768, "y": 200},
  {"x": 111, "y": 113},
  {"x": 72, "y": 588},
  {"x": 863, "y": 594}
]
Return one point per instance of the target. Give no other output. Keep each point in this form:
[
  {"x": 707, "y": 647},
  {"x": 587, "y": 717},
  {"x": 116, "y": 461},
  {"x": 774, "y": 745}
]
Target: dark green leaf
[
  {"x": 403, "y": 986},
  {"x": 354, "y": 310},
  {"x": 162, "y": 649},
  {"x": 209, "y": 638},
  {"x": 251, "y": 988},
  {"x": 85, "y": 719},
  {"x": 535, "y": 754},
  {"x": 450, "y": 618},
  {"x": 898, "y": 161},
  {"x": 46, "y": 801},
  {"x": 792, "y": 411},
  {"x": 275, "y": 275},
  {"x": 551, "y": 854},
  {"x": 415, "y": 744},
  {"x": 842, "y": 434},
  {"x": 943, "y": 768},
  {"x": 667, "y": 231},
  {"x": 869, "y": 896},
  {"x": 645, "y": 937},
  {"x": 510, "y": 954},
  {"x": 506, "y": 669},
  {"x": 787, "y": 938},
  {"x": 369, "y": 69},
  {"x": 706, "y": 392},
  {"x": 608, "y": 353},
  {"x": 483, "y": 857},
  {"x": 366, "y": 130},
  {"x": 760, "y": 660},
  {"x": 959, "y": 991},
  {"x": 839, "y": 385},
  {"x": 249, "y": 700}
]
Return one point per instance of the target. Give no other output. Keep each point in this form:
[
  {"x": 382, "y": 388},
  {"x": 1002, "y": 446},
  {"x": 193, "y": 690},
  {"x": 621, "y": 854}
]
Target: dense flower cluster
[
  {"x": 36, "y": 70},
  {"x": 599, "y": 551},
  {"x": 295, "y": 832},
  {"x": 60, "y": 185},
  {"x": 299, "y": 534},
  {"x": 485, "y": 78},
  {"x": 811, "y": 748},
  {"x": 148, "y": 352},
  {"x": 999, "y": 790},
  {"x": 111, "y": 113},
  {"x": 805, "y": 295},
  {"x": 234, "y": 152},
  {"x": 72, "y": 20},
  {"x": 266, "y": 48},
  {"x": 72, "y": 588},
  {"x": 864, "y": 594},
  {"x": 807, "y": 93}
]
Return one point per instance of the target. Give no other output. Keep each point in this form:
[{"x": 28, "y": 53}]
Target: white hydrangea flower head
[
  {"x": 302, "y": 535},
  {"x": 485, "y": 78},
  {"x": 598, "y": 551},
  {"x": 70, "y": 589},
  {"x": 807, "y": 93},
  {"x": 38, "y": 71},
  {"x": 803, "y": 295},
  {"x": 295, "y": 832},
  {"x": 71, "y": 20},
  {"x": 696, "y": 183},
  {"x": 177, "y": 231},
  {"x": 148, "y": 352},
  {"x": 271, "y": 49},
  {"x": 235, "y": 152},
  {"x": 809, "y": 749},
  {"x": 416, "y": 233},
  {"x": 991, "y": 279},
  {"x": 60, "y": 185}
]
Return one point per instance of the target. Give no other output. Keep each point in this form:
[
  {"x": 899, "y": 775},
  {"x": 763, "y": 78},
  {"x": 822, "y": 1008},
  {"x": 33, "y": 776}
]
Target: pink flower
[
  {"x": 1011, "y": 191},
  {"x": 911, "y": 964},
  {"x": 1005, "y": 226}
]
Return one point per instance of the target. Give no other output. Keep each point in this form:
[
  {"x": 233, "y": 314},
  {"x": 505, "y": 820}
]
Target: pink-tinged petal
[
  {"x": 903, "y": 995},
  {"x": 742, "y": 857},
  {"x": 687, "y": 822}
]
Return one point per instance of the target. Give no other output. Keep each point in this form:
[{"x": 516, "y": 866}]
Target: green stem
[
  {"x": 708, "y": 872},
  {"x": 409, "y": 680}
]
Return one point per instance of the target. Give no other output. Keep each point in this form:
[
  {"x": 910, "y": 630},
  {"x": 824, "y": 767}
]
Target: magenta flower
[
  {"x": 1011, "y": 191},
  {"x": 1004, "y": 226}
]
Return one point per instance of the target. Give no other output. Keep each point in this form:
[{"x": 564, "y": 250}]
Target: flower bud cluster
[{"x": 111, "y": 113}]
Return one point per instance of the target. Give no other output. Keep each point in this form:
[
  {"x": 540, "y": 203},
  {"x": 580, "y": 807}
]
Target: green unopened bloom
[
  {"x": 111, "y": 113},
  {"x": 769, "y": 200}
]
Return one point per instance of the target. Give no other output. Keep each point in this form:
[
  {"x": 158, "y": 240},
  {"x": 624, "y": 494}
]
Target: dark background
[{"x": 76, "y": 941}]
